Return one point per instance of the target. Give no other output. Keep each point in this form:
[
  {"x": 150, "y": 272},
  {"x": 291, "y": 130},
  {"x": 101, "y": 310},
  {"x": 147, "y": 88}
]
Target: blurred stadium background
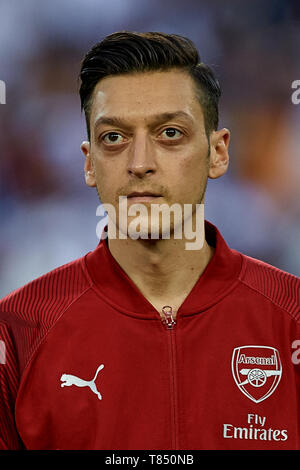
[{"x": 48, "y": 214}]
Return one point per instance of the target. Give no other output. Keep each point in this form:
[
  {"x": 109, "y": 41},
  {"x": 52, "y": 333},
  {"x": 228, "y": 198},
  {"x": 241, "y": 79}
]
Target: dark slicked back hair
[{"x": 127, "y": 52}]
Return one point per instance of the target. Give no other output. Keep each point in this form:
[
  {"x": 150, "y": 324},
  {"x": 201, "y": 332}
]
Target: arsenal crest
[{"x": 256, "y": 371}]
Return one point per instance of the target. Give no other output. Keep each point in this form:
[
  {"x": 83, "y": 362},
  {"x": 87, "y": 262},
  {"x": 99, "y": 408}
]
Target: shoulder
[
  {"x": 27, "y": 314},
  {"x": 279, "y": 286},
  {"x": 48, "y": 294}
]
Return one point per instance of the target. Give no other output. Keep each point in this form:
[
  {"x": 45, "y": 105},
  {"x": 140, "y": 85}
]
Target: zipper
[
  {"x": 169, "y": 323},
  {"x": 168, "y": 318}
]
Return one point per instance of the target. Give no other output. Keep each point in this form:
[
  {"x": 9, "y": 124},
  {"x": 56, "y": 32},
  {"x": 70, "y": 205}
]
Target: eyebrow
[{"x": 155, "y": 119}]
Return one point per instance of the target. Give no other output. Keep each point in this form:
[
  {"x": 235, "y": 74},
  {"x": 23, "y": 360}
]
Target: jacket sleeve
[{"x": 9, "y": 381}]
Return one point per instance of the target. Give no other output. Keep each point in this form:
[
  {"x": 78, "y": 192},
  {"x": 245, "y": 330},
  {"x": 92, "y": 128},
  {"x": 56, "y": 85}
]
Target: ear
[
  {"x": 219, "y": 158},
  {"x": 89, "y": 170}
]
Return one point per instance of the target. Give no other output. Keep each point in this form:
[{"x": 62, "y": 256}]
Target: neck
[{"x": 163, "y": 270}]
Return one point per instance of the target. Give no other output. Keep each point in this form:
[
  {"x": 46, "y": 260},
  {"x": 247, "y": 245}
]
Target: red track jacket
[{"x": 87, "y": 363}]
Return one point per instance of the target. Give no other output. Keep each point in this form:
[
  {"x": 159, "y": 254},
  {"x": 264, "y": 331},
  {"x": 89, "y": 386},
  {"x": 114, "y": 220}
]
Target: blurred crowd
[{"x": 48, "y": 214}]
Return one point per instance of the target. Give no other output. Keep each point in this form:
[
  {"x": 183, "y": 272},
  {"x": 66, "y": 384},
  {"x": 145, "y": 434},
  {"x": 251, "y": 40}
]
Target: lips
[{"x": 145, "y": 196}]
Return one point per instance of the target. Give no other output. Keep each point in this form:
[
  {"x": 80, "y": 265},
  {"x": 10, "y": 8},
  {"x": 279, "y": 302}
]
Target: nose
[{"x": 141, "y": 158}]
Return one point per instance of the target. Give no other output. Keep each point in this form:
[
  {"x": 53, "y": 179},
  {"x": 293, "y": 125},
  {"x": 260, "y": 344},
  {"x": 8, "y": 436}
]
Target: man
[{"x": 143, "y": 343}]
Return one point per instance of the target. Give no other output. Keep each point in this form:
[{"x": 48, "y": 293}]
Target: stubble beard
[{"x": 160, "y": 230}]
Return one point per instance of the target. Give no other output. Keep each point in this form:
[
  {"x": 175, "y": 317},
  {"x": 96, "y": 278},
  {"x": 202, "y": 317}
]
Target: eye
[
  {"x": 112, "y": 138},
  {"x": 171, "y": 133}
]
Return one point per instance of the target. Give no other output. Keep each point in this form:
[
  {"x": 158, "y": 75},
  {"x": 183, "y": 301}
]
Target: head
[
  {"x": 151, "y": 110},
  {"x": 130, "y": 52}
]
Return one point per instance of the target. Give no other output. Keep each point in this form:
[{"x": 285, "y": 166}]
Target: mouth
[{"x": 142, "y": 196}]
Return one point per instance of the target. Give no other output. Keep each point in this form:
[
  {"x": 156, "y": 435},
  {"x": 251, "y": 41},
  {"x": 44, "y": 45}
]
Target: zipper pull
[{"x": 168, "y": 319}]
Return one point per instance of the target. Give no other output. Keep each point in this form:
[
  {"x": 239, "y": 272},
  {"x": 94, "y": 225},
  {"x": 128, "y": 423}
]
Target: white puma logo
[{"x": 69, "y": 380}]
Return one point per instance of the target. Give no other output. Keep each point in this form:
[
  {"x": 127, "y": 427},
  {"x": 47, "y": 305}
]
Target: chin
[{"x": 145, "y": 230}]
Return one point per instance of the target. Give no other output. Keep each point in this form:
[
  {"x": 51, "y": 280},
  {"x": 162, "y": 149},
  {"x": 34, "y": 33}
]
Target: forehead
[{"x": 143, "y": 94}]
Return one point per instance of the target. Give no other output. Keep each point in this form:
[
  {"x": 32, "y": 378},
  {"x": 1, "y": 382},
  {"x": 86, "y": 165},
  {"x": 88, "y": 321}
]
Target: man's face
[{"x": 147, "y": 134}]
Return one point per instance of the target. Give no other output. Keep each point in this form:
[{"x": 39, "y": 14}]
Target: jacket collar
[{"x": 112, "y": 282}]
